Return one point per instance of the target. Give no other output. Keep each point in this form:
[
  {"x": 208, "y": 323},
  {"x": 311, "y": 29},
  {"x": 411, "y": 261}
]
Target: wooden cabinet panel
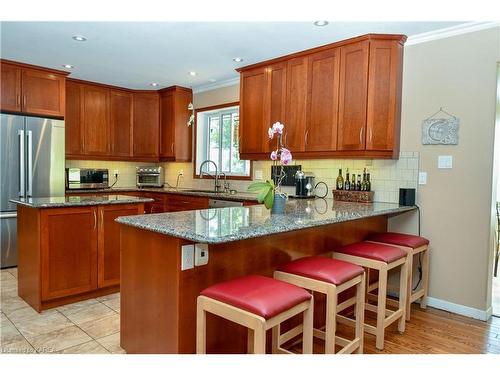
[
  {"x": 253, "y": 125},
  {"x": 353, "y": 96},
  {"x": 146, "y": 125},
  {"x": 167, "y": 131},
  {"x": 179, "y": 202},
  {"x": 109, "y": 242},
  {"x": 43, "y": 93},
  {"x": 323, "y": 98},
  {"x": 73, "y": 119},
  {"x": 277, "y": 99},
  {"x": 95, "y": 123},
  {"x": 384, "y": 96},
  {"x": 183, "y": 134},
  {"x": 296, "y": 104},
  {"x": 10, "y": 87},
  {"x": 120, "y": 118},
  {"x": 68, "y": 251}
]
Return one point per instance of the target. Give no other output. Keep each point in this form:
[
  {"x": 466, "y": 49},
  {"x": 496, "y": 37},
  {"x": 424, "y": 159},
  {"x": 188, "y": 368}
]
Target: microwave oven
[{"x": 84, "y": 178}]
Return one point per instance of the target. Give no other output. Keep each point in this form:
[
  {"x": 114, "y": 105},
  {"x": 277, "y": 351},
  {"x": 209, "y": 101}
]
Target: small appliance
[
  {"x": 406, "y": 197},
  {"x": 305, "y": 187},
  {"x": 85, "y": 178},
  {"x": 150, "y": 176}
]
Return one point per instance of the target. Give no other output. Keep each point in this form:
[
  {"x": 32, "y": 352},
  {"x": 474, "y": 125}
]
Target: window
[{"x": 217, "y": 140}]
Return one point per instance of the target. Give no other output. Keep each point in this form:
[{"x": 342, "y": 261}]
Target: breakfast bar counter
[{"x": 161, "y": 278}]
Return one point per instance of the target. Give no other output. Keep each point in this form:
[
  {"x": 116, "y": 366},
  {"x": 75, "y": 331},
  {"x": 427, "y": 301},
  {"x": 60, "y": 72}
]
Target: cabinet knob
[{"x": 305, "y": 138}]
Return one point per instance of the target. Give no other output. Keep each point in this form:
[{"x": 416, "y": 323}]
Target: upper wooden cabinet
[
  {"x": 175, "y": 135},
  {"x": 95, "y": 121},
  {"x": 32, "y": 90},
  {"x": 73, "y": 119},
  {"x": 341, "y": 100},
  {"x": 121, "y": 122},
  {"x": 146, "y": 125}
]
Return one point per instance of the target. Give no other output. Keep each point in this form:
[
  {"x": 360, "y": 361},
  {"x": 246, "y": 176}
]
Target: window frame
[{"x": 207, "y": 109}]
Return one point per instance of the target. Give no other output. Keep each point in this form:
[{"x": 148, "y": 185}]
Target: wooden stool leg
[
  {"x": 331, "y": 319},
  {"x": 201, "y": 321},
  {"x": 360, "y": 313},
  {"x": 307, "y": 333},
  {"x": 381, "y": 306},
  {"x": 409, "y": 285},
  {"x": 250, "y": 341},
  {"x": 276, "y": 335},
  {"x": 259, "y": 340},
  {"x": 403, "y": 295},
  {"x": 425, "y": 278}
]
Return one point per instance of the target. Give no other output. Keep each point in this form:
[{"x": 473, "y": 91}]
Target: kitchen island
[
  {"x": 69, "y": 247},
  {"x": 159, "y": 287}
]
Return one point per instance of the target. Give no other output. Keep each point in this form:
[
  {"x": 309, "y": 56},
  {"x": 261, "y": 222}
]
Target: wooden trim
[
  {"x": 37, "y": 67},
  {"x": 218, "y": 106},
  {"x": 351, "y": 154},
  {"x": 399, "y": 37}
]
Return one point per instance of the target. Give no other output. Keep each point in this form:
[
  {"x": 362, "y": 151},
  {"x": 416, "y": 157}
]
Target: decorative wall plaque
[{"x": 440, "y": 131}]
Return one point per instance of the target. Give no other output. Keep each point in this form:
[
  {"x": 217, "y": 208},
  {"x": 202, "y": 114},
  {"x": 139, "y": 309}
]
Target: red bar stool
[
  {"x": 381, "y": 258},
  {"x": 258, "y": 303},
  {"x": 413, "y": 245},
  {"x": 331, "y": 277}
]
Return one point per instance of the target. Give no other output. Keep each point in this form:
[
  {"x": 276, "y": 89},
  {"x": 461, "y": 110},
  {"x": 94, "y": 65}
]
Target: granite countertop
[
  {"x": 238, "y": 196},
  {"x": 77, "y": 200},
  {"x": 228, "y": 224}
]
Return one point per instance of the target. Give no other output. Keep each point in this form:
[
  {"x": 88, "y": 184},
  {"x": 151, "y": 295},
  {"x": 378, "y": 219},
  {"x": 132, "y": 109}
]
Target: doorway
[{"x": 495, "y": 298}]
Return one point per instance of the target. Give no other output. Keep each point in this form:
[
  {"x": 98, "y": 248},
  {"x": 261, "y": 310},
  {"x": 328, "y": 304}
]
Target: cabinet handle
[
  {"x": 369, "y": 135},
  {"x": 95, "y": 219},
  {"x": 18, "y": 100},
  {"x": 102, "y": 218},
  {"x": 286, "y": 136},
  {"x": 172, "y": 148},
  {"x": 24, "y": 101},
  {"x": 361, "y": 136},
  {"x": 305, "y": 138}
]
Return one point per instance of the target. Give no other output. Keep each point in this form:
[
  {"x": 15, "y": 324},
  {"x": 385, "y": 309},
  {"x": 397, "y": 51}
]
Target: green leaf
[
  {"x": 269, "y": 199},
  {"x": 256, "y": 186},
  {"x": 263, "y": 193}
]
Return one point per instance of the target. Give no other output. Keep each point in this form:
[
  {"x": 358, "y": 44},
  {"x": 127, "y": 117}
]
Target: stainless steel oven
[
  {"x": 150, "y": 176},
  {"x": 81, "y": 178}
]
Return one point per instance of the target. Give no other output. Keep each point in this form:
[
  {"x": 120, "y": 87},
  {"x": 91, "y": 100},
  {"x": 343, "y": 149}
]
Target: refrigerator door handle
[
  {"x": 30, "y": 164},
  {"x": 22, "y": 186}
]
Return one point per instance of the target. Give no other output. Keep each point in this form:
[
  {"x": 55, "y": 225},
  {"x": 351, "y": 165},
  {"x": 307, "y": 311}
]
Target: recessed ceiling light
[
  {"x": 192, "y": 73},
  {"x": 79, "y": 38},
  {"x": 68, "y": 66},
  {"x": 237, "y": 59},
  {"x": 154, "y": 84},
  {"x": 320, "y": 23}
]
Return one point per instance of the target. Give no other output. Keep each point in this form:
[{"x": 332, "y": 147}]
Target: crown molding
[
  {"x": 216, "y": 85},
  {"x": 464, "y": 28}
]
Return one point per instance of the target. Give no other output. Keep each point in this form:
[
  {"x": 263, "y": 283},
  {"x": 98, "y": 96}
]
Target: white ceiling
[{"x": 134, "y": 54}]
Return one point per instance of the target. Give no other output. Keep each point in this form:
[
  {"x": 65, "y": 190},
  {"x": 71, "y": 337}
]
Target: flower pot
[{"x": 278, "y": 204}]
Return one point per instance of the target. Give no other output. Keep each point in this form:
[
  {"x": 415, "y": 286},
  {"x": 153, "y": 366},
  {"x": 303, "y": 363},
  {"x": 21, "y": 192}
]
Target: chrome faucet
[{"x": 215, "y": 176}]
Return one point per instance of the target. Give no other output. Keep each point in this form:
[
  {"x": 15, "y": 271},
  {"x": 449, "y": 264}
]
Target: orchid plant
[{"x": 283, "y": 156}]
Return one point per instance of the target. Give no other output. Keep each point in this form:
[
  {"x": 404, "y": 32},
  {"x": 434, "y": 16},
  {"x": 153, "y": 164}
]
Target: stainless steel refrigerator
[{"x": 31, "y": 165}]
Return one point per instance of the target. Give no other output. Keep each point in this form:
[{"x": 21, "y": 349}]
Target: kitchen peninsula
[
  {"x": 69, "y": 247},
  {"x": 160, "y": 284}
]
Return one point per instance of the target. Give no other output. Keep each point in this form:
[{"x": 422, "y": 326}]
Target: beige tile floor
[{"x": 91, "y": 326}]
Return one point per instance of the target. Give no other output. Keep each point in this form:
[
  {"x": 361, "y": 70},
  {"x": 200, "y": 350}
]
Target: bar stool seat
[
  {"x": 330, "y": 277},
  {"x": 412, "y": 245},
  {"x": 383, "y": 253},
  {"x": 258, "y": 303}
]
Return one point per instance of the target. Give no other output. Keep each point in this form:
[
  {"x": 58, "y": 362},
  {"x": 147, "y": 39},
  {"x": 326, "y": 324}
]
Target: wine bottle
[
  {"x": 363, "y": 181},
  {"x": 347, "y": 182},
  {"x": 358, "y": 185},
  {"x": 340, "y": 180},
  {"x": 368, "y": 183},
  {"x": 353, "y": 182}
]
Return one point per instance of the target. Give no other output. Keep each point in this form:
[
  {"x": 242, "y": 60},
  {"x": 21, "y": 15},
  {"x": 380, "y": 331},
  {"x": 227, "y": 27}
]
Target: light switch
[
  {"x": 422, "y": 178},
  {"x": 187, "y": 259},
  {"x": 445, "y": 161},
  {"x": 258, "y": 174}
]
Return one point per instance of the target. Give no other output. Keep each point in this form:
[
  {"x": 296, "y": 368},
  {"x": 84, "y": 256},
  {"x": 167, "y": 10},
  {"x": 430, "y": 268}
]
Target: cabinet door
[
  {"x": 253, "y": 115},
  {"x": 146, "y": 125},
  {"x": 96, "y": 127},
  {"x": 167, "y": 130},
  {"x": 276, "y": 106},
  {"x": 296, "y": 104},
  {"x": 43, "y": 93},
  {"x": 10, "y": 87},
  {"x": 353, "y": 96},
  {"x": 384, "y": 95},
  {"x": 183, "y": 138},
  {"x": 323, "y": 98},
  {"x": 68, "y": 251},
  {"x": 73, "y": 119},
  {"x": 109, "y": 242},
  {"x": 120, "y": 118}
]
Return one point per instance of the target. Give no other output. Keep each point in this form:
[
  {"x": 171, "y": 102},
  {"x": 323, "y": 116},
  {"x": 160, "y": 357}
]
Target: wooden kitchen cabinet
[
  {"x": 180, "y": 202},
  {"x": 175, "y": 135},
  {"x": 121, "y": 123},
  {"x": 108, "y": 248},
  {"x": 68, "y": 251},
  {"x": 32, "y": 90},
  {"x": 73, "y": 120},
  {"x": 95, "y": 121},
  {"x": 146, "y": 126}
]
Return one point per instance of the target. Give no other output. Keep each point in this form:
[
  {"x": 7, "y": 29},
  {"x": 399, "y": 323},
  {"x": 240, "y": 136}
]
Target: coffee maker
[{"x": 304, "y": 185}]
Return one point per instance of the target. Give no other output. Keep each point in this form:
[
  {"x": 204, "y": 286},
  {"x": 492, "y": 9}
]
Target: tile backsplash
[{"x": 386, "y": 176}]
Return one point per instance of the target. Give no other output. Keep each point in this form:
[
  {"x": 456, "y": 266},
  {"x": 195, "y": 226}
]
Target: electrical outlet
[
  {"x": 200, "y": 254},
  {"x": 116, "y": 171},
  {"x": 422, "y": 178},
  {"x": 445, "y": 162},
  {"x": 181, "y": 172},
  {"x": 187, "y": 259}
]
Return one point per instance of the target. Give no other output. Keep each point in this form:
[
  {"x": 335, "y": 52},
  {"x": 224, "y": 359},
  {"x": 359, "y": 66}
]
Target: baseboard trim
[{"x": 455, "y": 308}]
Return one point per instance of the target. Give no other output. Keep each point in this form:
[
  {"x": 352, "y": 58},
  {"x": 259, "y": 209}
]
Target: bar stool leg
[
  {"x": 250, "y": 341},
  {"x": 381, "y": 307},
  {"x": 360, "y": 313},
  {"x": 403, "y": 295},
  {"x": 331, "y": 319},
  {"x": 425, "y": 278},
  {"x": 259, "y": 340},
  {"x": 307, "y": 333},
  {"x": 276, "y": 332},
  {"x": 409, "y": 284},
  {"x": 201, "y": 332}
]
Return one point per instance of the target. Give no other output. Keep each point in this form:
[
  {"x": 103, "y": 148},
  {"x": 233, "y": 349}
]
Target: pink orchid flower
[
  {"x": 278, "y": 127},
  {"x": 270, "y": 132},
  {"x": 274, "y": 155},
  {"x": 286, "y": 156}
]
